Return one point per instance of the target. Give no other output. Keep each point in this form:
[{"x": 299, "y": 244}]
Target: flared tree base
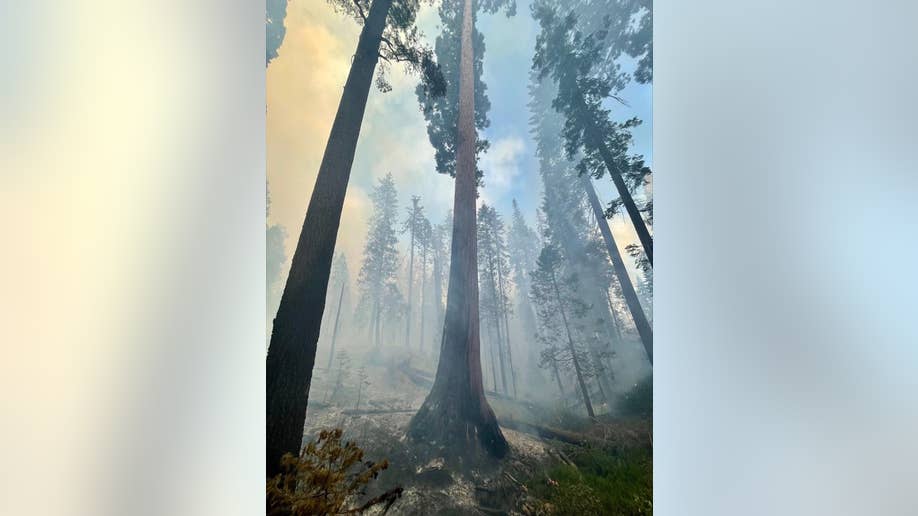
[{"x": 465, "y": 431}]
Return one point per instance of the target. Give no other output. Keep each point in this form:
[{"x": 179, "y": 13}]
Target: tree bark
[
  {"x": 292, "y": 351},
  {"x": 634, "y": 305},
  {"x": 456, "y": 414},
  {"x": 570, "y": 344},
  {"x": 331, "y": 352},
  {"x": 640, "y": 227}
]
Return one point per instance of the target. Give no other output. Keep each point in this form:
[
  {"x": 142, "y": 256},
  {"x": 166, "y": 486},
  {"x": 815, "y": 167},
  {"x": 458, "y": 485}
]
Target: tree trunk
[
  {"x": 570, "y": 344},
  {"x": 615, "y": 325},
  {"x": 634, "y": 305},
  {"x": 292, "y": 352},
  {"x": 503, "y": 311},
  {"x": 554, "y": 365},
  {"x": 493, "y": 363},
  {"x": 456, "y": 413},
  {"x": 530, "y": 328},
  {"x": 423, "y": 286},
  {"x": 331, "y": 352},
  {"x": 437, "y": 288},
  {"x": 640, "y": 227},
  {"x": 496, "y": 321},
  {"x": 410, "y": 292}
]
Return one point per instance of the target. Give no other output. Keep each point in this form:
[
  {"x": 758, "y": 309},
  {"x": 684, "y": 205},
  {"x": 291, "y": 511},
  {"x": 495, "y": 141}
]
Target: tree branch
[{"x": 360, "y": 10}]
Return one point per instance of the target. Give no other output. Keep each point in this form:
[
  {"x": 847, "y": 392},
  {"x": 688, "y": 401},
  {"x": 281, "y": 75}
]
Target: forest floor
[{"x": 558, "y": 464}]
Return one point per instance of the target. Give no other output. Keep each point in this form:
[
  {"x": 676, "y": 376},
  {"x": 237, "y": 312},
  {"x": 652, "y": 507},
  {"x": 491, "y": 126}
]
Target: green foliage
[
  {"x": 326, "y": 476},
  {"x": 442, "y": 112},
  {"x": 601, "y": 483},
  {"x": 571, "y": 59},
  {"x": 401, "y": 42}
]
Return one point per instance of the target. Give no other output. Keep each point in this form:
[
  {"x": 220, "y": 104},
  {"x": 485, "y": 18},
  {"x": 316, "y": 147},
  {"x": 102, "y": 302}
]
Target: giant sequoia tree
[
  {"x": 455, "y": 414},
  {"x": 295, "y": 334}
]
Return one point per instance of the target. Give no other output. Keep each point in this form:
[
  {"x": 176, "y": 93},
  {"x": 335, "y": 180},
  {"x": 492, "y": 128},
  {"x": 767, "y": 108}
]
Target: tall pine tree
[{"x": 380, "y": 257}]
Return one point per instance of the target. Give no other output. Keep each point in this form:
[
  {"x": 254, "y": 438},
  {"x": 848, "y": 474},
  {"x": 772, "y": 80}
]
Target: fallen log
[
  {"x": 549, "y": 433},
  {"x": 353, "y": 412}
]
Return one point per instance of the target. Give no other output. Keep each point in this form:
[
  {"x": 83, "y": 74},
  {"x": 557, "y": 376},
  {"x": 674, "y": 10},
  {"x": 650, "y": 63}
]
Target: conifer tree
[
  {"x": 456, "y": 413},
  {"x": 556, "y": 298},
  {"x": 380, "y": 256},
  {"x": 413, "y": 225},
  {"x": 424, "y": 235},
  {"x": 568, "y": 194},
  {"x": 490, "y": 300},
  {"x": 568, "y": 57},
  {"x": 523, "y": 248}
]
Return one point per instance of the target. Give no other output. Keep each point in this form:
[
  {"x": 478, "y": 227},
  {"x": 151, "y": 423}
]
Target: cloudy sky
[{"x": 304, "y": 85}]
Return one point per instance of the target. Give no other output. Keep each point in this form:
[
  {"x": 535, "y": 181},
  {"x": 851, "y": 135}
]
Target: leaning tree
[{"x": 570, "y": 57}]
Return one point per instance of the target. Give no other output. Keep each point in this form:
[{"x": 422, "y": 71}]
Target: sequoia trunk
[{"x": 456, "y": 414}]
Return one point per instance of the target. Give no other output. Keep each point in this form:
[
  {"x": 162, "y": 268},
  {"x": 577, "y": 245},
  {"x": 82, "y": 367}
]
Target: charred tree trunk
[
  {"x": 640, "y": 227},
  {"x": 456, "y": 413},
  {"x": 410, "y": 292},
  {"x": 331, "y": 352},
  {"x": 292, "y": 351},
  {"x": 570, "y": 344},
  {"x": 634, "y": 305}
]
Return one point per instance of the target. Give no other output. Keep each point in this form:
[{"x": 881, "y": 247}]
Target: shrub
[{"x": 322, "y": 480}]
